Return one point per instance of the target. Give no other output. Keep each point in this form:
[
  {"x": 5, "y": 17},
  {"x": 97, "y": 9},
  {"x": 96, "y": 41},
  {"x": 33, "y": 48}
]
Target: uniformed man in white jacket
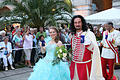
[{"x": 110, "y": 41}]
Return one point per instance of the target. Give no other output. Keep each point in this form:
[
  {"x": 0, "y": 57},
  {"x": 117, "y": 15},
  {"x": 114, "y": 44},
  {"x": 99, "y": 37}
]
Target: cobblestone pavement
[{"x": 24, "y": 73}]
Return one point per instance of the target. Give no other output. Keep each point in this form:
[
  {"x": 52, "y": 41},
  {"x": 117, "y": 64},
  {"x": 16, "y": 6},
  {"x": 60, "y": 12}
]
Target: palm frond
[{"x": 40, "y": 12}]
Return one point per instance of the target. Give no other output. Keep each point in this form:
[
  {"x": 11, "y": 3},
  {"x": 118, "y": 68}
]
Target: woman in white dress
[{"x": 6, "y": 54}]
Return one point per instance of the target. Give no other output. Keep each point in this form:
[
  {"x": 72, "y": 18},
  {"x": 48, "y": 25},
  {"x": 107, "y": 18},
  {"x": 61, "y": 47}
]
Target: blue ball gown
[{"x": 44, "y": 70}]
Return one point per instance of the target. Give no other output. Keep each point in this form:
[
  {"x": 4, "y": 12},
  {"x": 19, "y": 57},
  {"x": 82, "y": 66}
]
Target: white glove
[{"x": 109, "y": 39}]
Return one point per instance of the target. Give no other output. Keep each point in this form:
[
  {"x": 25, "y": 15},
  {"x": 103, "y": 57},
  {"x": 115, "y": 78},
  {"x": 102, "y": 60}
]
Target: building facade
[
  {"x": 87, "y": 7},
  {"x": 82, "y": 7},
  {"x": 116, "y": 4}
]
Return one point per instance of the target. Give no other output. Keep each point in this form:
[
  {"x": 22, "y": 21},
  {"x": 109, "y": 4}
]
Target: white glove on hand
[{"x": 109, "y": 39}]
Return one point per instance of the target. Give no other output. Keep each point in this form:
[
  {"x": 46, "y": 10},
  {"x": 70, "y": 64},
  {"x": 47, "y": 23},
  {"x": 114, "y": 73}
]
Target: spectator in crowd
[
  {"x": 14, "y": 30},
  {"x": 65, "y": 34},
  {"x": 65, "y": 26},
  {"x": 2, "y": 34},
  {"x": 47, "y": 32},
  {"x": 67, "y": 38},
  {"x": 101, "y": 29},
  {"x": 27, "y": 28},
  {"x": 34, "y": 45},
  {"x": 22, "y": 31},
  {"x": 35, "y": 31},
  {"x": 90, "y": 27},
  {"x": 18, "y": 41},
  {"x": 28, "y": 44},
  {"x": 43, "y": 43},
  {"x": 42, "y": 40},
  {"x": 98, "y": 35},
  {"x": 9, "y": 33},
  {"x": 41, "y": 32},
  {"x": 62, "y": 38},
  {"x": 32, "y": 32},
  {"x": 7, "y": 50},
  {"x": 95, "y": 29}
]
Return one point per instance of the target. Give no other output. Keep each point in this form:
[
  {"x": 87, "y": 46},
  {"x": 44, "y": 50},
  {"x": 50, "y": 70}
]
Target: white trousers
[
  {"x": 5, "y": 60},
  {"x": 27, "y": 54}
]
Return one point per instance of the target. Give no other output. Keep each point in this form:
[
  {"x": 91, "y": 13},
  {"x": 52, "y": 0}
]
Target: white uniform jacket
[{"x": 106, "y": 51}]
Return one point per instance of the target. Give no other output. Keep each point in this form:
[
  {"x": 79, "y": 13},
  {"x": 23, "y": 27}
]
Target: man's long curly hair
[{"x": 72, "y": 27}]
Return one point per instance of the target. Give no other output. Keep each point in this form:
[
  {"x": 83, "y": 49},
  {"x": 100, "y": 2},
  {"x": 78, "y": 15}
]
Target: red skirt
[{"x": 83, "y": 70}]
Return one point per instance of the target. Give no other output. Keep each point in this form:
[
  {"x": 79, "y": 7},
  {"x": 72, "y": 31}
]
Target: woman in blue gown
[{"x": 44, "y": 70}]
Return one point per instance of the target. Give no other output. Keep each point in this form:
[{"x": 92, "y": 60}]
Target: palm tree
[{"x": 41, "y": 13}]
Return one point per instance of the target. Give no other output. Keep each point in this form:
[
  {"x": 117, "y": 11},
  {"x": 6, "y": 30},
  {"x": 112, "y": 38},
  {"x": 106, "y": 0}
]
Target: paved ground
[
  {"x": 24, "y": 73},
  {"x": 117, "y": 73},
  {"x": 18, "y": 74}
]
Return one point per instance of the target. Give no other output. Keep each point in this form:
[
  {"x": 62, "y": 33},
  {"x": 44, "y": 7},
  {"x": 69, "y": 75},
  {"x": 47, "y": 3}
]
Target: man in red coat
[{"x": 82, "y": 44}]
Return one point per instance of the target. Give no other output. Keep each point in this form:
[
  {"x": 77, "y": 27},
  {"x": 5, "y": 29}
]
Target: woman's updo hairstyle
[{"x": 57, "y": 37}]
